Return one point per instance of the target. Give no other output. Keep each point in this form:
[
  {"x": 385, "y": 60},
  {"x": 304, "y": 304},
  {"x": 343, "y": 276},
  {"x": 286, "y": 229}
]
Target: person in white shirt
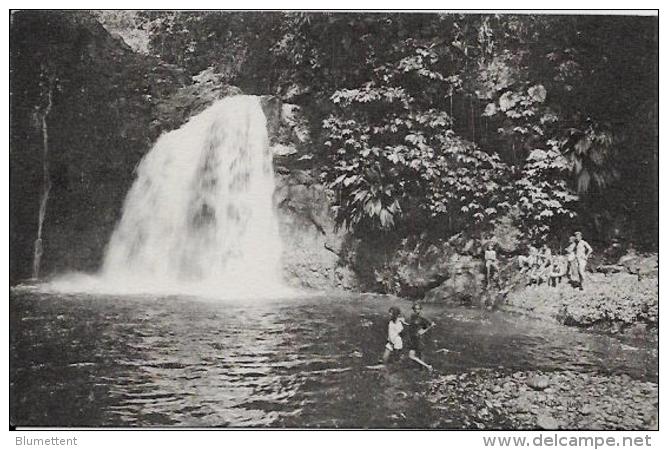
[{"x": 395, "y": 327}]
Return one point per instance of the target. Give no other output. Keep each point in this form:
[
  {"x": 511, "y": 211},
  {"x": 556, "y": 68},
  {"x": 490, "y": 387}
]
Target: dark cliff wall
[{"x": 100, "y": 125}]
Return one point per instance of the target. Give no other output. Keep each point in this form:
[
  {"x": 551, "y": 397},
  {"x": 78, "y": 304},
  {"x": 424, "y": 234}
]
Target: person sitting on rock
[
  {"x": 417, "y": 327},
  {"x": 557, "y": 270},
  {"x": 543, "y": 264},
  {"x": 395, "y": 328},
  {"x": 527, "y": 262},
  {"x": 537, "y": 272},
  {"x": 491, "y": 265},
  {"x": 545, "y": 256}
]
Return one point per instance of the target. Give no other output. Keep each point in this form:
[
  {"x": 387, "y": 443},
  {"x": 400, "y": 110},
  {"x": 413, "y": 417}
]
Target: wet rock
[
  {"x": 523, "y": 405},
  {"x": 547, "y": 422},
  {"x": 587, "y": 409},
  {"x": 538, "y": 382}
]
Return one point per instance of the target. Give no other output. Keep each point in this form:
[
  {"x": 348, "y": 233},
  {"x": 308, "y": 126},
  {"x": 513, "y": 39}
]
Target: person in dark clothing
[{"x": 417, "y": 327}]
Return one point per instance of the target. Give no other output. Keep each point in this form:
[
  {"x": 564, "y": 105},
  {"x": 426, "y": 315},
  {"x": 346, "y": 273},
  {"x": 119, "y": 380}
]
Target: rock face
[
  {"x": 312, "y": 245},
  {"x": 416, "y": 267},
  {"x": 464, "y": 285},
  {"x": 189, "y": 100},
  {"x": 103, "y": 96}
]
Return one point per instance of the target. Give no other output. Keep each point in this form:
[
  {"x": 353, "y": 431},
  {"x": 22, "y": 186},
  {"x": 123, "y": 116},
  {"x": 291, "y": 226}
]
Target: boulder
[
  {"x": 538, "y": 382},
  {"x": 464, "y": 284},
  {"x": 547, "y": 422}
]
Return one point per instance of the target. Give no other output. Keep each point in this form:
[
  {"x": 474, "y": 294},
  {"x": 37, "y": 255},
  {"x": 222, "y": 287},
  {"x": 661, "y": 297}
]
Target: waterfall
[
  {"x": 200, "y": 218},
  {"x": 46, "y": 183}
]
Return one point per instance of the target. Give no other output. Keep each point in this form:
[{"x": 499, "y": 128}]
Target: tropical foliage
[{"x": 443, "y": 121}]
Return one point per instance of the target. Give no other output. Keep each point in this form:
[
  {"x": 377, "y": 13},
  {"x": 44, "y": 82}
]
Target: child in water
[
  {"x": 394, "y": 329},
  {"x": 417, "y": 327}
]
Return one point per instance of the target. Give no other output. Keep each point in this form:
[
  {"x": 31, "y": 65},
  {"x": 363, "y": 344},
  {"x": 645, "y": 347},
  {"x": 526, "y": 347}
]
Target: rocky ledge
[{"x": 611, "y": 304}]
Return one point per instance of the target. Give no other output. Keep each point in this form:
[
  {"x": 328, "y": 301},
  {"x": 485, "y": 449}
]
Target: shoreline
[
  {"x": 621, "y": 307},
  {"x": 539, "y": 400}
]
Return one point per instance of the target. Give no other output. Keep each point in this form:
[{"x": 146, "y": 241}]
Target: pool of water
[{"x": 102, "y": 361}]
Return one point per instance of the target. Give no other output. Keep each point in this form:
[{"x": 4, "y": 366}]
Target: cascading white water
[{"x": 199, "y": 218}]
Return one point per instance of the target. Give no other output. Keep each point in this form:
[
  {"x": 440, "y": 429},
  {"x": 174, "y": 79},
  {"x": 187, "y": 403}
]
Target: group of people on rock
[{"x": 541, "y": 266}]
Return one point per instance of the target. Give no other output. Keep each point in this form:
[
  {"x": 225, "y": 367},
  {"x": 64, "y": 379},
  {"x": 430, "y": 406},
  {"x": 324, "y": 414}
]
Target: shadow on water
[{"x": 80, "y": 360}]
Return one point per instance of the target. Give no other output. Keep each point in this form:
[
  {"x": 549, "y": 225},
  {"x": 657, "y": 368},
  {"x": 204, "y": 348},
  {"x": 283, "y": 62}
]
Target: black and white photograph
[{"x": 340, "y": 220}]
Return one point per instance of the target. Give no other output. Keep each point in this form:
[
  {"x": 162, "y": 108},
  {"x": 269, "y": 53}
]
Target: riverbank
[
  {"x": 529, "y": 400},
  {"x": 616, "y": 304}
]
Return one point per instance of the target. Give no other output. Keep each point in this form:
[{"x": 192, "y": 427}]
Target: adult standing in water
[
  {"x": 417, "y": 327},
  {"x": 582, "y": 253}
]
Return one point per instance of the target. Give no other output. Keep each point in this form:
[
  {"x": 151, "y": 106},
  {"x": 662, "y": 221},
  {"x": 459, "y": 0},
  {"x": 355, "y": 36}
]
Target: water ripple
[{"x": 124, "y": 361}]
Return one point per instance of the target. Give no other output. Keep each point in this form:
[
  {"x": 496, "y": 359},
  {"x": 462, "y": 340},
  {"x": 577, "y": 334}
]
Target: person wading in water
[
  {"x": 417, "y": 327},
  {"x": 395, "y": 327}
]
